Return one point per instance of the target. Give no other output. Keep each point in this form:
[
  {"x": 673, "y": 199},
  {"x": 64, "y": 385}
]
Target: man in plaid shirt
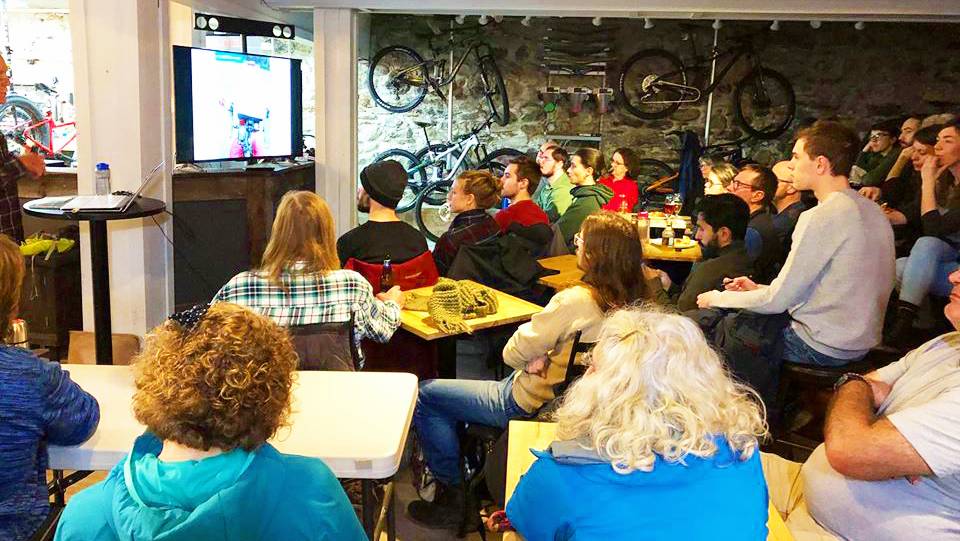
[
  {"x": 13, "y": 169},
  {"x": 308, "y": 298}
]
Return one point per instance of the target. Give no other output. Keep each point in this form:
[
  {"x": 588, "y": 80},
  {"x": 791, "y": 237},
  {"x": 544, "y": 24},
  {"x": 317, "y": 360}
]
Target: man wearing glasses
[
  {"x": 12, "y": 169},
  {"x": 756, "y": 186},
  {"x": 878, "y": 155}
]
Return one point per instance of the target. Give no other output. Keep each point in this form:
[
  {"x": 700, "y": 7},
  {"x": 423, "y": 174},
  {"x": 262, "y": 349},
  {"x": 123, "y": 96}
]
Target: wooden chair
[{"x": 83, "y": 350}]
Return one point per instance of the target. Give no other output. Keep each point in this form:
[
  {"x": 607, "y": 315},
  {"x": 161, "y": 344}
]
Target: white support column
[
  {"x": 335, "y": 55},
  {"x": 122, "y": 67}
]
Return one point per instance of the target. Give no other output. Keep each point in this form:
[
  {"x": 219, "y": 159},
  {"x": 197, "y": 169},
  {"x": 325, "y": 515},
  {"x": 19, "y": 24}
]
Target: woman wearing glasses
[
  {"x": 656, "y": 441},
  {"x": 622, "y": 180},
  {"x": 610, "y": 254}
]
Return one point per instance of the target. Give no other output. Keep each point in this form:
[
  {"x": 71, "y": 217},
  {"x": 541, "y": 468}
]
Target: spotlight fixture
[
  {"x": 815, "y": 24},
  {"x": 483, "y": 19},
  {"x": 460, "y": 19},
  {"x": 498, "y": 18},
  {"x": 717, "y": 24},
  {"x": 647, "y": 23},
  {"x": 214, "y": 23},
  {"x": 201, "y": 22},
  {"x": 525, "y": 21},
  {"x": 277, "y": 32},
  {"x": 246, "y": 27},
  {"x": 775, "y": 25},
  {"x": 859, "y": 25},
  {"x": 597, "y": 21},
  {"x": 287, "y": 32}
]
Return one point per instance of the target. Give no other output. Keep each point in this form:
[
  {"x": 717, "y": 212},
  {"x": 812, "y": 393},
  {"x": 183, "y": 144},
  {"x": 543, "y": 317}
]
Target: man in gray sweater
[{"x": 837, "y": 280}]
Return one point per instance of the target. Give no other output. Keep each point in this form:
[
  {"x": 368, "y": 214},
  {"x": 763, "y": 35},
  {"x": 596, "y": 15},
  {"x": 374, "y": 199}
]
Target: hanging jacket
[
  {"x": 586, "y": 201},
  {"x": 690, "y": 184},
  {"x": 234, "y": 496}
]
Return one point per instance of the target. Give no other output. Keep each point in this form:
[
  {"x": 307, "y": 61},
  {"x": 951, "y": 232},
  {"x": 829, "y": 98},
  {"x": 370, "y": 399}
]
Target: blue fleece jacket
[{"x": 235, "y": 496}]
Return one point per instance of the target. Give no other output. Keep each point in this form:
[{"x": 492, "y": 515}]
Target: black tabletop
[{"x": 141, "y": 208}]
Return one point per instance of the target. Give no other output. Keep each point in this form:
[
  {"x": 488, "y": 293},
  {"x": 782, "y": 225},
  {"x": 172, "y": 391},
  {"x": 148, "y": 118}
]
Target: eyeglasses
[
  {"x": 578, "y": 239},
  {"x": 738, "y": 185},
  {"x": 878, "y": 136}
]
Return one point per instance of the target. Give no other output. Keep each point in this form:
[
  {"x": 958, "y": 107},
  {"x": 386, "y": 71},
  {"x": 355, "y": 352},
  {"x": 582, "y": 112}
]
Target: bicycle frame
[
  {"x": 461, "y": 148},
  {"x": 24, "y": 132},
  {"x": 735, "y": 54}
]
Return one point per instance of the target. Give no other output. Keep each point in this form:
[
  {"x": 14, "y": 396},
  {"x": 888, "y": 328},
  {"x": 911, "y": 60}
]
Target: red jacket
[
  {"x": 623, "y": 189},
  {"x": 526, "y": 212}
]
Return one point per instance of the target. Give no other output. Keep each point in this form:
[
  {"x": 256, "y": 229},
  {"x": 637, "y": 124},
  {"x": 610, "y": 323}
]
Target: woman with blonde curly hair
[
  {"x": 656, "y": 441},
  {"x": 212, "y": 386}
]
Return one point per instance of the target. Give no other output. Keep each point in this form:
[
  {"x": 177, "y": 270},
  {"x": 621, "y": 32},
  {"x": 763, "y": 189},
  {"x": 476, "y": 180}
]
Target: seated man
[
  {"x": 890, "y": 467},
  {"x": 756, "y": 186},
  {"x": 520, "y": 179},
  {"x": 553, "y": 193},
  {"x": 383, "y": 236},
  {"x": 898, "y": 158},
  {"x": 879, "y": 154},
  {"x": 721, "y": 226},
  {"x": 789, "y": 204},
  {"x": 837, "y": 279}
]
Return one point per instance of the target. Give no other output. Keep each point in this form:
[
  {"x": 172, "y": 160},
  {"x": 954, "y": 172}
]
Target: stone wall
[{"x": 858, "y": 77}]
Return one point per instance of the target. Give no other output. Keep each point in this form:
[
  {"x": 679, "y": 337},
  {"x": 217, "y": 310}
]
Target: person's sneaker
[{"x": 444, "y": 512}]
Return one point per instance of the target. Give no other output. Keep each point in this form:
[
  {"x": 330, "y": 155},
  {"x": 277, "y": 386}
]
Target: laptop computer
[{"x": 97, "y": 203}]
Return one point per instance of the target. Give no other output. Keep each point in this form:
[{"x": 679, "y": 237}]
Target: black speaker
[{"x": 247, "y": 27}]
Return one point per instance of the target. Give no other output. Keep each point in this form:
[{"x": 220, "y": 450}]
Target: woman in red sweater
[{"x": 625, "y": 190}]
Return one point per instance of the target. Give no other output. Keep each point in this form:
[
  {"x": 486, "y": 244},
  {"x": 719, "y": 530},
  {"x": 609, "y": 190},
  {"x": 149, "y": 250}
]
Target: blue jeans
[
  {"x": 443, "y": 403},
  {"x": 926, "y": 269},
  {"x": 797, "y": 351}
]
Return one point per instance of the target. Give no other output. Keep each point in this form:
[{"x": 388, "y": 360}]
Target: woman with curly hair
[
  {"x": 656, "y": 441},
  {"x": 212, "y": 388},
  {"x": 472, "y": 193},
  {"x": 611, "y": 256}
]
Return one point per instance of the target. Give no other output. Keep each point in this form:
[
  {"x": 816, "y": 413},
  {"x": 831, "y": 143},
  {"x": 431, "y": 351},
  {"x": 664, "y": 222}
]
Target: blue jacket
[
  {"x": 568, "y": 497},
  {"x": 39, "y": 405},
  {"x": 235, "y": 496}
]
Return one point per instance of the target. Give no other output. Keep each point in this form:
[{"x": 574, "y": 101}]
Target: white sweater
[{"x": 837, "y": 279}]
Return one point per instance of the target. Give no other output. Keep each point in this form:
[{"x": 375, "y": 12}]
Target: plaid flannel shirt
[
  {"x": 306, "y": 299},
  {"x": 468, "y": 227},
  {"x": 11, "y": 170}
]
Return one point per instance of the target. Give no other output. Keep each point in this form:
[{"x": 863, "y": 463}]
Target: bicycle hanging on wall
[
  {"x": 399, "y": 77},
  {"x": 654, "y": 83}
]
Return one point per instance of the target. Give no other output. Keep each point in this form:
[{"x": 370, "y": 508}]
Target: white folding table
[{"x": 356, "y": 422}]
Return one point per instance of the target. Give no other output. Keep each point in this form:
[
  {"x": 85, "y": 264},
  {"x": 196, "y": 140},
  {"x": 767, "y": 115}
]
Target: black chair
[
  {"x": 326, "y": 346},
  {"x": 795, "y": 378},
  {"x": 48, "y": 528},
  {"x": 477, "y": 441}
]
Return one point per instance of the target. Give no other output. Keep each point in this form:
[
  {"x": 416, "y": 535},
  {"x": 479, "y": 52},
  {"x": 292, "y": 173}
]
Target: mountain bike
[
  {"x": 399, "y": 77},
  {"x": 444, "y": 160},
  {"x": 654, "y": 83}
]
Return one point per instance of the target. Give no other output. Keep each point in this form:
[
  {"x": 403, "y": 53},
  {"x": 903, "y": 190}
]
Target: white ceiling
[{"x": 825, "y": 10}]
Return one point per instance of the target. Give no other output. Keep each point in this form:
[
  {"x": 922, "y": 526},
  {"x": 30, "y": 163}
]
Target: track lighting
[
  {"x": 859, "y": 25},
  {"x": 498, "y": 18},
  {"x": 460, "y": 19},
  {"x": 815, "y": 24},
  {"x": 775, "y": 25},
  {"x": 717, "y": 24},
  {"x": 647, "y": 23},
  {"x": 483, "y": 19},
  {"x": 597, "y": 21},
  {"x": 525, "y": 21}
]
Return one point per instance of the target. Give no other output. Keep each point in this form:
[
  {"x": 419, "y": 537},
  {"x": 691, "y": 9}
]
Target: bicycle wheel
[
  {"x": 495, "y": 90},
  {"x": 496, "y": 162},
  {"x": 397, "y": 79},
  {"x": 15, "y": 115},
  {"x": 648, "y": 83},
  {"x": 765, "y": 103},
  {"x": 650, "y": 170},
  {"x": 434, "y": 218},
  {"x": 416, "y": 177},
  {"x": 434, "y": 171}
]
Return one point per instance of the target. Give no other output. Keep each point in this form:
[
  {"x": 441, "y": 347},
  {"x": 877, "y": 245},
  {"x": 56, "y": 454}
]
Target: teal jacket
[
  {"x": 586, "y": 201},
  {"x": 234, "y": 496}
]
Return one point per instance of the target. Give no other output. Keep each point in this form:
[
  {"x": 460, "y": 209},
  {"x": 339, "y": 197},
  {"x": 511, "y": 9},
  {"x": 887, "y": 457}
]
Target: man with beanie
[{"x": 383, "y": 235}]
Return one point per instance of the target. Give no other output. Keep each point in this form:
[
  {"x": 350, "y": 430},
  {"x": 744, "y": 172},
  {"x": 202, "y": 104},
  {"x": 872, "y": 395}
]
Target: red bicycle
[{"x": 26, "y": 130}]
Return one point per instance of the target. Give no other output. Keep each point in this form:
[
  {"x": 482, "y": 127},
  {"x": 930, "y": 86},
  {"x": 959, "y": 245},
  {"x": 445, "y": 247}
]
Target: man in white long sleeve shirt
[{"x": 837, "y": 279}]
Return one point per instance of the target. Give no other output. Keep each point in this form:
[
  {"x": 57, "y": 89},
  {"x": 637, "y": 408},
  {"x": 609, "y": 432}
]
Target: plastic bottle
[
  {"x": 102, "y": 179},
  {"x": 667, "y": 236},
  {"x": 386, "y": 275}
]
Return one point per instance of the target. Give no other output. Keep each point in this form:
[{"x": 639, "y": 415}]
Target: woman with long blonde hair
[
  {"x": 300, "y": 283},
  {"x": 656, "y": 441}
]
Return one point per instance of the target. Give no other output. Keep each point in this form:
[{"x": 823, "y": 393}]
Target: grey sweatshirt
[{"x": 837, "y": 278}]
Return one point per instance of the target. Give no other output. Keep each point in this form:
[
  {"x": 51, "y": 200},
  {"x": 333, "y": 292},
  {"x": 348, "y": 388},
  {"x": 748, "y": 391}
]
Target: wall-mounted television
[{"x": 236, "y": 106}]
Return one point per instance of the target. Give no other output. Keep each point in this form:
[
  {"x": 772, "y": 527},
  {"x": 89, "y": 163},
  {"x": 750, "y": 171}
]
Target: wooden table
[
  {"x": 526, "y": 435},
  {"x": 569, "y": 274},
  {"x": 356, "y": 422},
  {"x": 510, "y": 309}
]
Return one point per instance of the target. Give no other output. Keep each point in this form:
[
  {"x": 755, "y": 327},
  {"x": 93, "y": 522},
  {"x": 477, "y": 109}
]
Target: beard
[
  {"x": 363, "y": 203},
  {"x": 710, "y": 250}
]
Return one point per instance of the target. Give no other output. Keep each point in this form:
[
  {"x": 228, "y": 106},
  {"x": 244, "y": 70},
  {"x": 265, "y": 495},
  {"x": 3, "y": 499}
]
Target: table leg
[
  {"x": 100, "y": 269},
  {"x": 392, "y": 513},
  {"x": 366, "y": 503}
]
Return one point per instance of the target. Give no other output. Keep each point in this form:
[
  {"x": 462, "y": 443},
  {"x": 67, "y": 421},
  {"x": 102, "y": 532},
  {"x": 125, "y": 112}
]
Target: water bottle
[{"x": 102, "y": 179}]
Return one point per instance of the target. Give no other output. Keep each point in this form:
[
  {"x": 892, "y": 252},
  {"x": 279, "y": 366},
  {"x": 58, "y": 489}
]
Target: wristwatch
[{"x": 846, "y": 378}]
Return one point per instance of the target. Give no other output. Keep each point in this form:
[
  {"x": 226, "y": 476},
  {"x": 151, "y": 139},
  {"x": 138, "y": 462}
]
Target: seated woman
[
  {"x": 300, "y": 281},
  {"x": 586, "y": 164},
  {"x": 934, "y": 255},
  {"x": 472, "y": 193},
  {"x": 626, "y": 193},
  {"x": 39, "y": 406},
  {"x": 718, "y": 178},
  {"x": 655, "y": 441},
  {"x": 610, "y": 254},
  {"x": 212, "y": 386}
]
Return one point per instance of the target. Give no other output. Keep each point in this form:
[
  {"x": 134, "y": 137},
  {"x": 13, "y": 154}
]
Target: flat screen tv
[{"x": 236, "y": 106}]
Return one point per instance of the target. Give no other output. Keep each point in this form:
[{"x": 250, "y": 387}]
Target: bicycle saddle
[{"x": 423, "y": 123}]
